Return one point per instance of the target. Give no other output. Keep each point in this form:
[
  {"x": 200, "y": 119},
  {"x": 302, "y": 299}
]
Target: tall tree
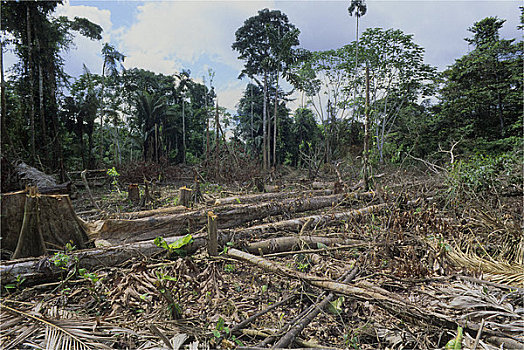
[
  {"x": 482, "y": 99},
  {"x": 359, "y": 9},
  {"x": 113, "y": 61},
  {"x": 259, "y": 42}
]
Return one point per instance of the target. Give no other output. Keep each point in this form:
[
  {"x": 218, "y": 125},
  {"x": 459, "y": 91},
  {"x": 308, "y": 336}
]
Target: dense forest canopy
[{"x": 58, "y": 123}]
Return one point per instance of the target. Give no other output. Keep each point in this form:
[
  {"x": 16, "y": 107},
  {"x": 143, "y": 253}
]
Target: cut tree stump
[
  {"x": 33, "y": 223},
  {"x": 133, "y": 194},
  {"x": 184, "y": 196}
]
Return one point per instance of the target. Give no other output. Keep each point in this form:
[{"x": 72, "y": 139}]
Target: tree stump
[
  {"x": 212, "y": 238},
  {"x": 33, "y": 223},
  {"x": 133, "y": 194},
  {"x": 184, "y": 196}
]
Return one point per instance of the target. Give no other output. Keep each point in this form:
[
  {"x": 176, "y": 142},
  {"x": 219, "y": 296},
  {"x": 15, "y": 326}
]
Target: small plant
[
  {"x": 177, "y": 246},
  {"x": 114, "y": 175},
  {"x": 220, "y": 327},
  {"x": 91, "y": 276},
  {"x": 335, "y": 307},
  {"x": 63, "y": 260},
  {"x": 16, "y": 285},
  {"x": 229, "y": 268}
]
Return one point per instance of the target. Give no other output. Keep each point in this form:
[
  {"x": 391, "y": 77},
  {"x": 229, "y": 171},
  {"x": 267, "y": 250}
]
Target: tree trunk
[
  {"x": 275, "y": 126},
  {"x": 31, "y": 84},
  {"x": 31, "y": 221},
  {"x": 3, "y": 115},
  {"x": 183, "y": 133},
  {"x": 264, "y": 123},
  {"x": 298, "y": 224},
  {"x": 228, "y": 216},
  {"x": 366, "y": 136}
]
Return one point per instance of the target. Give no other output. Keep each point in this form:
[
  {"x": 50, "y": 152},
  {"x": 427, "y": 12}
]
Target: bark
[
  {"x": 259, "y": 197},
  {"x": 284, "y": 244},
  {"x": 30, "y": 240},
  {"x": 228, "y": 216},
  {"x": 212, "y": 239},
  {"x": 31, "y": 83},
  {"x": 27, "y": 216},
  {"x": 184, "y": 196},
  {"x": 153, "y": 212},
  {"x": 297, "y": 224},
  {"x": 38, "y": 270},
  {"x": 3, "y": 103},
  {"x": 366, "y": 134},
  {"x": 264, "y": 124}
]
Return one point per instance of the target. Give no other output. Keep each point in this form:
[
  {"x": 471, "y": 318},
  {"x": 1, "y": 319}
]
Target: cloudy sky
[{"x": 167, "y": 36}]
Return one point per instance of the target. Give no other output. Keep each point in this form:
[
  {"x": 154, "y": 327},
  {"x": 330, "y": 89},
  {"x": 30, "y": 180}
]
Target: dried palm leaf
[{"x": 497, "y": 271}]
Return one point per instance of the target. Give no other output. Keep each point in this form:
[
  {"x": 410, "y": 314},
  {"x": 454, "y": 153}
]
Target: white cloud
[
  {"x": 186, "y": 31},
  {"x": 229, "y": 95},
  {"x": 86, "y": 51}
]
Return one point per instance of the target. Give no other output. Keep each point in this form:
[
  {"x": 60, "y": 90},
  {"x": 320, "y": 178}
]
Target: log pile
[{"x": 312, "y": 268}]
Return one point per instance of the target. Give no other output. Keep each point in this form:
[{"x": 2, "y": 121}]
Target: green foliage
[
  {"x": 17, "y": 285},
  {"x": 220, "y": 327},
  {"x": 335, "y": 307},
  {"x": 177, "y": 246},
  {"x": 456, "y": 343},
  {"x": 482, "y": 96},
  {"x": 487, "y": 174}
]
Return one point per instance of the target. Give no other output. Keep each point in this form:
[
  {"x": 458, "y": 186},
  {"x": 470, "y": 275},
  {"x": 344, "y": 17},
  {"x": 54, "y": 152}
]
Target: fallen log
[
  {"x": 152, "y": 212},
  {"x": 295, "y": 225},
  {"x": 39, "y": 270},
  {"x": 283, "y": 244},
  {"x": 171, "y": 225},
  {"x": 259, "y": 197}
]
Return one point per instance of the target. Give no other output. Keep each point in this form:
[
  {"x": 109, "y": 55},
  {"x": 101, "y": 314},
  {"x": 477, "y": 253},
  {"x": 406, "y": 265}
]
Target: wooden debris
[
  {"x": 184, "y": 196},
  {"x": 133, "y": 194},
  {"x": 33, "y": 223},
  {"x": 212, "y": 243}
]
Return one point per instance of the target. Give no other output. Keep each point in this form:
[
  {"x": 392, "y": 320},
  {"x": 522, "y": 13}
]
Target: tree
[
  {"x": 261, "y": 42},
  {"x": 113, "y": 60},
  {"x": 482, "y": 99},
  {"x": 39, "y": 40},
  {"x": 359, "y": 9},
  {"x": 398, "y": 76}
]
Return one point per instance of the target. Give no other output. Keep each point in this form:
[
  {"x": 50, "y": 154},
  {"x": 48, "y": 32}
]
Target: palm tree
[
  {"x": 113, "y": 59},
  {"x": 358, "y": 8}
]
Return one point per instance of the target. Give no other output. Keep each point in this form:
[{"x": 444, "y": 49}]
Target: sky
[{"x": 167, "y": 36}]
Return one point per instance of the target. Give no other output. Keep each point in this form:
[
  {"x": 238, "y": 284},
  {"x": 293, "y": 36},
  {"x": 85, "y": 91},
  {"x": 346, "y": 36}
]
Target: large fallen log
[
  {"x": 42, "y": 269},
  {"x": 297, "y": 224},
  {"x": 263, "y": 197},
  {"x": 228, "y": 216}
]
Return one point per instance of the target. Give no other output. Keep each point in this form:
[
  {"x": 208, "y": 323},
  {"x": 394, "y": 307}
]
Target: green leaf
[
  {"x": 179, "y": 243},
  {"x": 321, "y": 246},
  {"x": 335, "y": 307},
  {"x": 216, "y": 333}
]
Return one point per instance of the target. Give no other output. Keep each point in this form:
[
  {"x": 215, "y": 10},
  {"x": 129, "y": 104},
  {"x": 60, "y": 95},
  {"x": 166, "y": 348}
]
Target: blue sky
[{"x": 167, "y": 36}]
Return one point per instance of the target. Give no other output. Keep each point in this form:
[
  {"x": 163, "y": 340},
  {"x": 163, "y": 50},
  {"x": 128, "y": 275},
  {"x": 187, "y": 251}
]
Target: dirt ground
[{"x": 428, "y": 268}]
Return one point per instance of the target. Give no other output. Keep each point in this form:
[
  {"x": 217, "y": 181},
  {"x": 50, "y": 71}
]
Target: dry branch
[{"x": 365, "y": 292}]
